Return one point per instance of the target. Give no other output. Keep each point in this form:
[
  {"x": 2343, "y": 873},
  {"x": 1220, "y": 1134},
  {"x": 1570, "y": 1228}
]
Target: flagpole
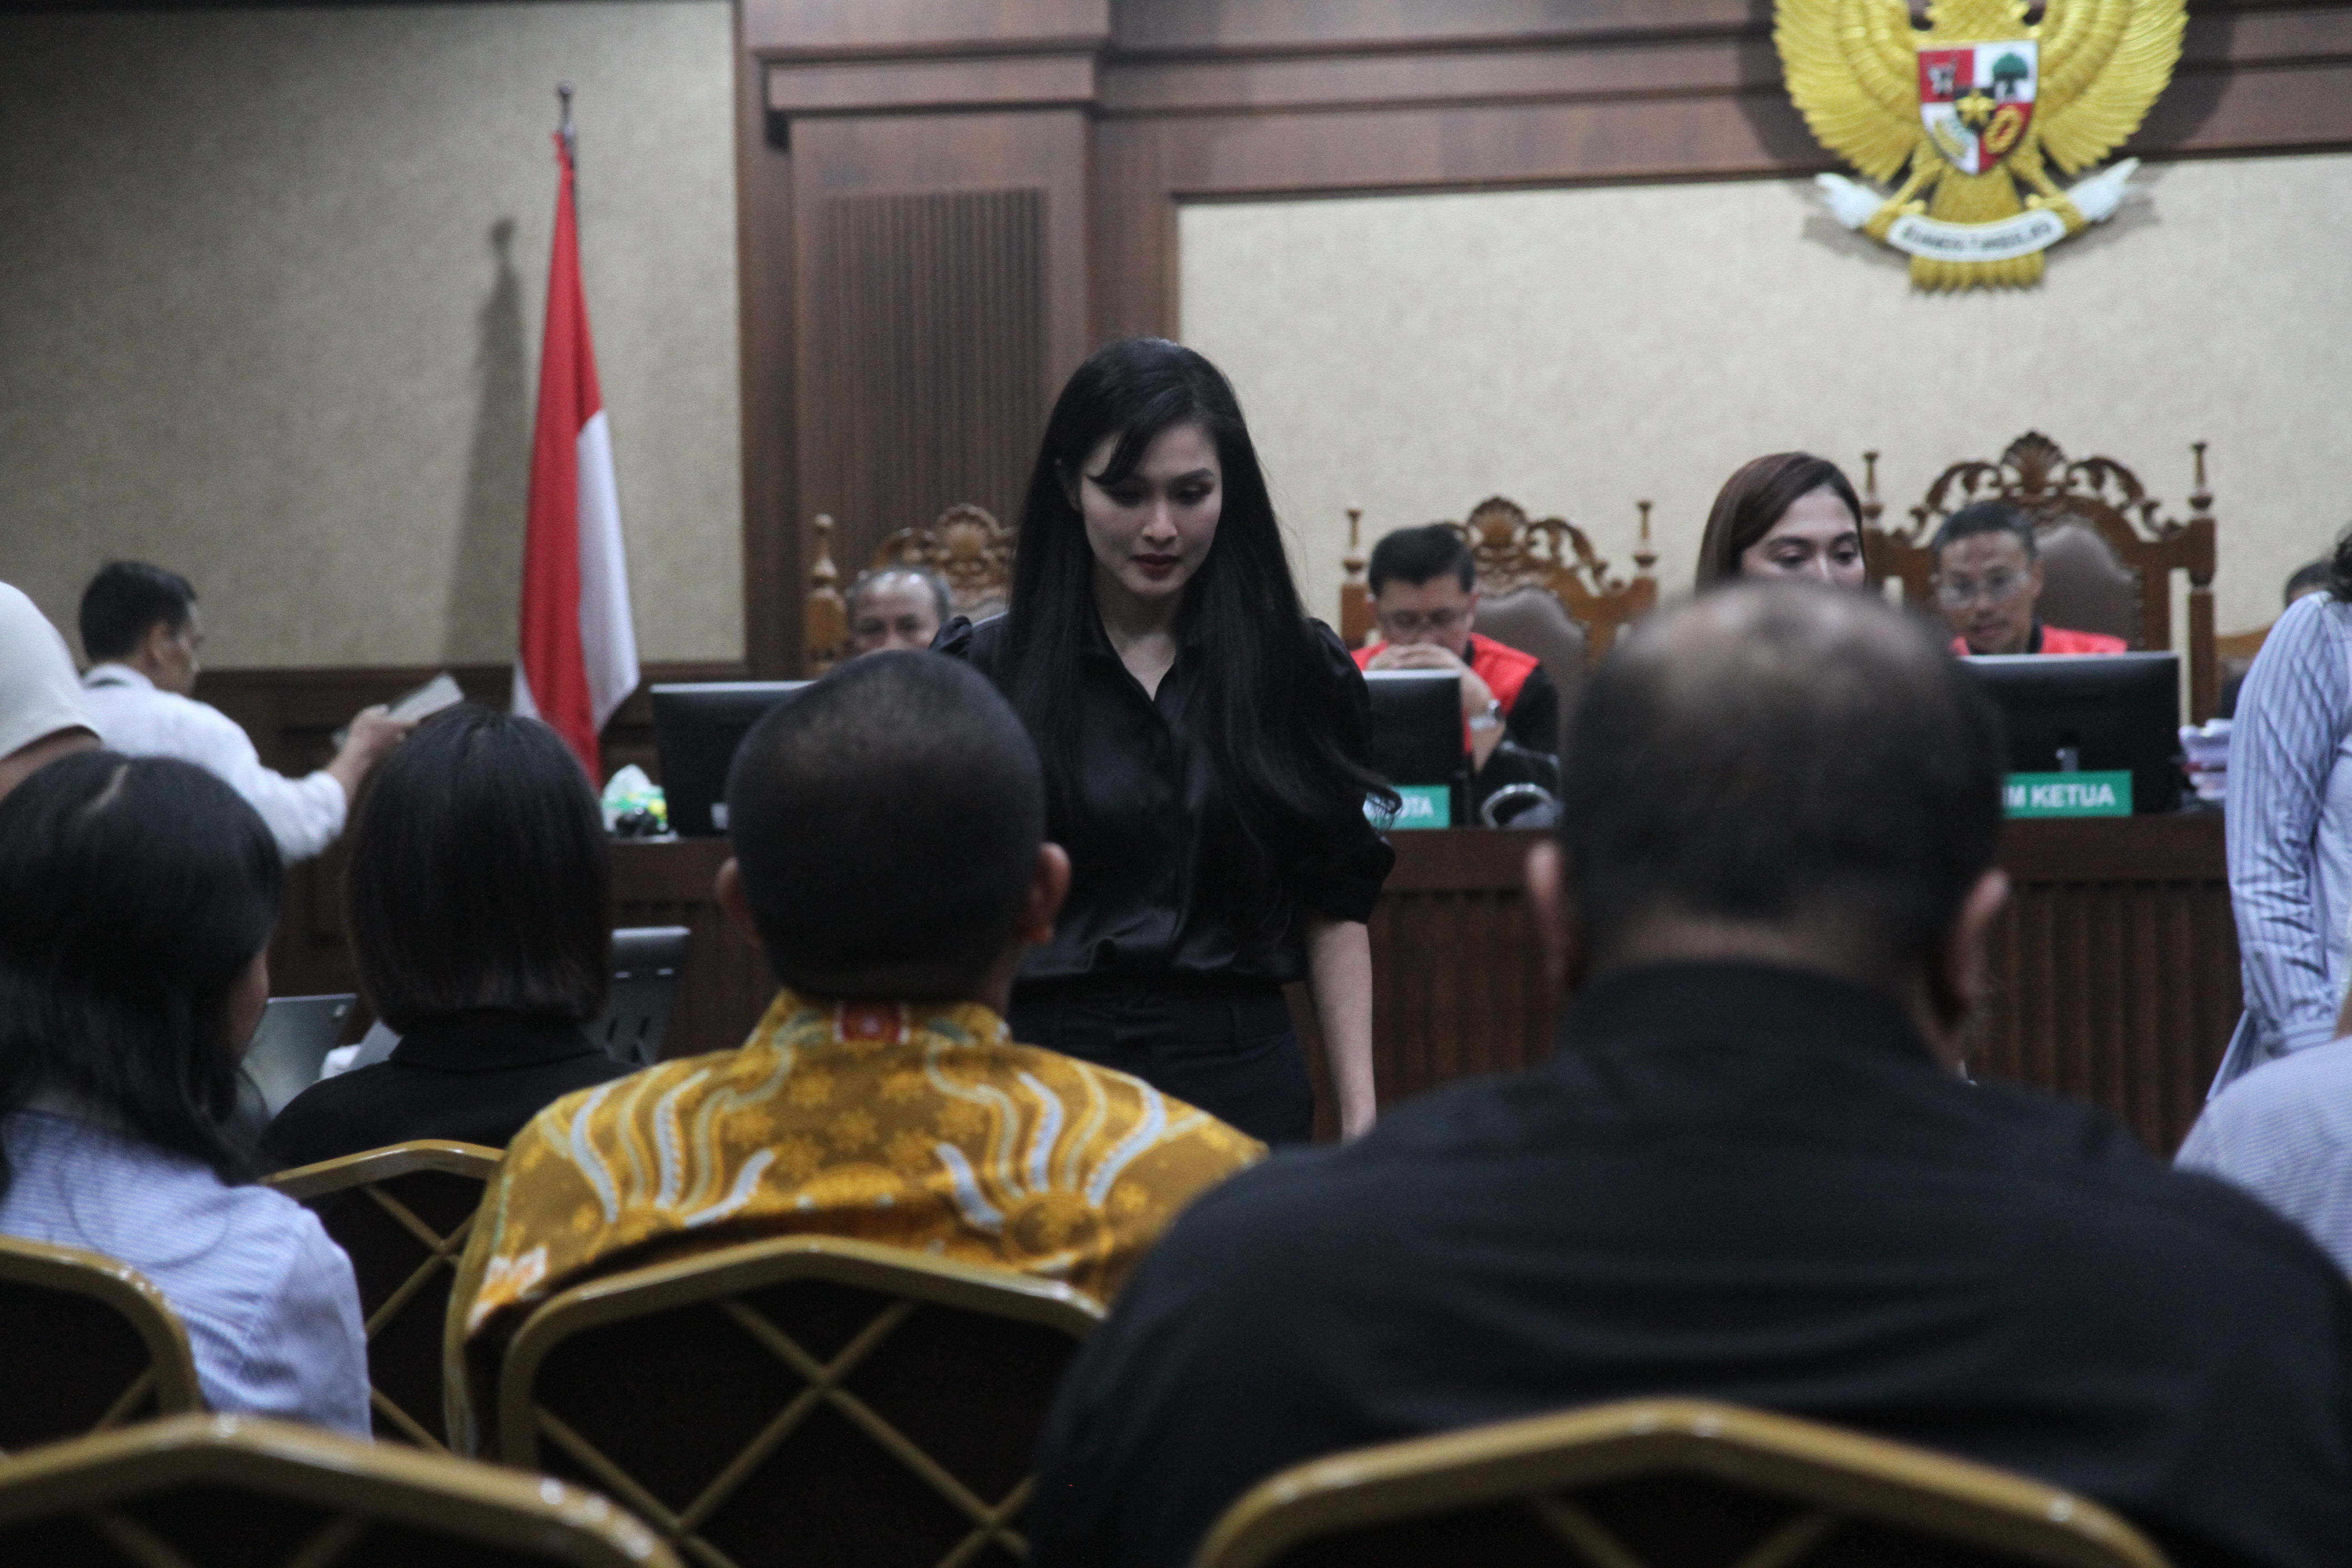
[{"x": 569, "y": 132}]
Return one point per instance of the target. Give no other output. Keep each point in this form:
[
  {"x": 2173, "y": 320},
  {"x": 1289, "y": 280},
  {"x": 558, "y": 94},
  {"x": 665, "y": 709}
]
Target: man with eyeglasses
[
  {"x": 1425, "y": 597},
  {"x": 1988, "y": 581}
]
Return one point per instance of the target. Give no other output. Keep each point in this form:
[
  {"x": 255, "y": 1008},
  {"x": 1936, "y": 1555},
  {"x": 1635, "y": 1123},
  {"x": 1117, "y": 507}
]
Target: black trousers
[{"x": 1237, "y": 1059}]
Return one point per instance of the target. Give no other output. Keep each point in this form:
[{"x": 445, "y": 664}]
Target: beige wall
[
  {"x": 1578, "y": 349},
  {"x": 271, "y": 295}
]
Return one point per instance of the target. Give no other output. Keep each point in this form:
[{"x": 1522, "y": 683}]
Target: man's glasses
[
  {"x": 1405, "y": 622},
  {"x": 1957, "y": 593}
]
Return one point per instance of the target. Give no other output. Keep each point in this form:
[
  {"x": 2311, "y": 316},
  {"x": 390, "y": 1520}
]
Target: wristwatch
[{"x": 1492, "y": 719}]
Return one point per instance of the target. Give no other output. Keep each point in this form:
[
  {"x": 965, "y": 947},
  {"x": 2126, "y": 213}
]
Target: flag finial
[{"x": 570, "y": 133}]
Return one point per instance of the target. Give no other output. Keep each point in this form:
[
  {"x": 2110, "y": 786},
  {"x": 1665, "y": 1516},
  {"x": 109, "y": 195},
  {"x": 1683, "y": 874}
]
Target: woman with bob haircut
[
  {"x": 136, "y": 901},
  {"x": 1788, "y": 517},
  {"x": 1204, "y": 745},
  {"x": 477, "y": 899}
]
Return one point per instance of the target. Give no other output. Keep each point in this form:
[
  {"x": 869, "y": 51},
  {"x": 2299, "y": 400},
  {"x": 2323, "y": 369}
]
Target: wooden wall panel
[
  {"x": 1140, "y": 105},
  {"x": 940, "y": 298},
  {"x": 929, "y": 290}
]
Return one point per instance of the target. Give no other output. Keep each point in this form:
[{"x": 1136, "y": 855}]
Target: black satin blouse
[{"x": 1165, "y": 886}]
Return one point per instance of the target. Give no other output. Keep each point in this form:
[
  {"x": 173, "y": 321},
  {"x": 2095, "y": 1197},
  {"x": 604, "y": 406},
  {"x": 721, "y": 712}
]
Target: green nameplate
[
  {"x": 1424, "y": 805},
  {"x": 2067, "y": 794}
]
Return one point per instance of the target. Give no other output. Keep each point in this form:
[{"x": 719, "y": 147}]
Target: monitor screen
[
  {"x": 2092, "y": 713},
  {"x": 1416, "y": 725},
  {"x": 695, "y": 731}
]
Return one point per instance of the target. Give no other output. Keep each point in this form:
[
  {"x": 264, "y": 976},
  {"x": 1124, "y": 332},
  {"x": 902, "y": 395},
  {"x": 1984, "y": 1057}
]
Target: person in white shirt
[
  {"x": 137, "y": 897},
  {"x": 41, "y": 712},
  {"x": 142, "y": 632}
]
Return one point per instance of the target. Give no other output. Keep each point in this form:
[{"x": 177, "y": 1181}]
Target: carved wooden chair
[
  {"x": 403, "y": 1214},
  {"x": 220, "y": 1491},
  {"x": 1661, "y": 1483},
  {"x": 1542, "y": 589},
  {"x": 804, "y": 1399},
  {"x": 971, "y": 551},
  {"x": 89, "y": 1344},
  {"x": 2107, "y": 558}
]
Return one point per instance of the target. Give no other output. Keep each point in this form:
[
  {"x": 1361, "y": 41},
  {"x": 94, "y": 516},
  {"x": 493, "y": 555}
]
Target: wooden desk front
[{"x": 2114, "y": 971}]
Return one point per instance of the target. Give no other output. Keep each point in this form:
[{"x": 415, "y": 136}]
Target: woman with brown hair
[{"x": 1791, "y": 516}]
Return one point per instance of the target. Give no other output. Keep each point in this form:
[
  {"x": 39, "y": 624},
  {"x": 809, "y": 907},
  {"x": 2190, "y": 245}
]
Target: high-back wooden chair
[
  {"x": 403, "y": 1214},
  {"x": 219, "y": 1491},
  {"x": 88, "y": 1343},
  {"x": 971, "y": 551},
  {"x": 2107, "y": 559},
  {"x": 1542, "y": 588},
  {"x": 803, "y": 1399},
  {"x": 1663, "y": 1483}
]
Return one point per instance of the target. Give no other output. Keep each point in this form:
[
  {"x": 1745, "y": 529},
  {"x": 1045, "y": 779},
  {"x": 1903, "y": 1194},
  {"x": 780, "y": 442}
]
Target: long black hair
[
  {"x": 133, "y": 895},
  {"x": 1268, "y": 710}
]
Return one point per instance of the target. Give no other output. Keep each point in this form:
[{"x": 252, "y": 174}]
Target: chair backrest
[
  {"x": 88, "y": 1343},
  {"x": 2108, "y": 559},
  {"x": 804, "y": 1399},
  {"x": 971, "y": 551},
  {"x": 213, "y": 1491},
  {"x": 1661, "y": 1483},
  {"x": 403, "y": 1215},
  {"x": 1515, "y": 555},
  {"x": 647, "y": 964}
]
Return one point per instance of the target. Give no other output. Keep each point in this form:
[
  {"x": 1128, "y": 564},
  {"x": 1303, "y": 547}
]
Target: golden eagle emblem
[{"x": 1979, "y": 105}]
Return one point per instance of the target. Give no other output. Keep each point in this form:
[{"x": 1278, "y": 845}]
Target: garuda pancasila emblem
[{"x": 1979, "y": 105}]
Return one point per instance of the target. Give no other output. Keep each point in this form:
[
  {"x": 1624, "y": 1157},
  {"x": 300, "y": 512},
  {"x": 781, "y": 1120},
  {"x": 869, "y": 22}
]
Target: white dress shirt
[
  {"x": 270, "y": 1305},
  {"x": 2290, "y": 834},
  {"x": 135, "y": 719}
]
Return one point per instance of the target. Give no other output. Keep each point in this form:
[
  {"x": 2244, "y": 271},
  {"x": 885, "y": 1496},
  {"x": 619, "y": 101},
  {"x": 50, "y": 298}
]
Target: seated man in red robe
[
  {"x": 1988, "y": 581},
  {"x": 1425, "y": 597}
]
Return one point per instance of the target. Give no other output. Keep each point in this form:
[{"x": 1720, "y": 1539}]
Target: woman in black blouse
[{"x": 1204, "y": 745}]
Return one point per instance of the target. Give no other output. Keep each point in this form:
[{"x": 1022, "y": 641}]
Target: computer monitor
[
  {"x": 1417, "y": 731},
  {"x": 291, "y": 1043},
  {"x": 695, "y": 731},
  {"x": 2093, "y": 714}
]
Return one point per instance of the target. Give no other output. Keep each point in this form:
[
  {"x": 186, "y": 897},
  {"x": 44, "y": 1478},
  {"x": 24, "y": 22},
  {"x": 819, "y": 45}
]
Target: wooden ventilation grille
[{"x": 932, "y": 355}]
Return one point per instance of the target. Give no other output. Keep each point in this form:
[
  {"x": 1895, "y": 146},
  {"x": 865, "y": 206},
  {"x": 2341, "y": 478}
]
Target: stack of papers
[{"x": 2205, "y": 754}]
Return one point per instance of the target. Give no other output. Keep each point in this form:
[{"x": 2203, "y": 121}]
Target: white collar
[{"x": 112, "y": 674}]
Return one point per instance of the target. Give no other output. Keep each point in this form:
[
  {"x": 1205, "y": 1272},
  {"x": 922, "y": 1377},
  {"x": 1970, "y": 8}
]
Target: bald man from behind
[{"x": 1752, "y": 1171}]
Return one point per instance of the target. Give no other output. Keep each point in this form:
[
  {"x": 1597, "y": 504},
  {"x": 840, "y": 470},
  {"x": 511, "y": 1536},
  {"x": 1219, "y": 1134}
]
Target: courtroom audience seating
[
  {"x": 887, "y": 826},
  {"x": 1660, "y": 1483},
  {"x": 86, "y": 1343},
  {"x": 403, "y": 1215},
  {"x": 137, "y": 899},
  {"x": 477, "y": 899},
  {"x": 197, "y": 1492},
  {"x": 849, "y": 1403}
]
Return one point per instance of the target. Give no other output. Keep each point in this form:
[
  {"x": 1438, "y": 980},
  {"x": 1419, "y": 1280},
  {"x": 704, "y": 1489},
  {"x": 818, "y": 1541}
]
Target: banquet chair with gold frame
[
  {"x": 1663, "y": 1483},
  {"x": 402, "y": 1214},
  {"x": 807, "y": 1399},
  {"x": 89, "y": 1344}
]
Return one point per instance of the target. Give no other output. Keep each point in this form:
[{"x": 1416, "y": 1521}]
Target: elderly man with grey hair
[{"x": 1752, "y": 1171}]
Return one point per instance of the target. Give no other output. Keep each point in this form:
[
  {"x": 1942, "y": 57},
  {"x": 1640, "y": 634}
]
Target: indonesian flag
[{"x": 579, "y": 656}]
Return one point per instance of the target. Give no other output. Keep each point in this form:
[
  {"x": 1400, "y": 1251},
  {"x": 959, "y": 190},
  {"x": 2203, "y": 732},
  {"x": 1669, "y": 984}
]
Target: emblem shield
[{"x": 1976, "y": 100}]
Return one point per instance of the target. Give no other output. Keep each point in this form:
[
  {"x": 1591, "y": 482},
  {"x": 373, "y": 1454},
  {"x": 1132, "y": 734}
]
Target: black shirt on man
[
  {"x": 474, "y": 1077},
  {"x": 1748, "y": 1183}
]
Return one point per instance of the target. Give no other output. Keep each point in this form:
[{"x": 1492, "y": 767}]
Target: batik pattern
[{"x": 919, "y": 1125}]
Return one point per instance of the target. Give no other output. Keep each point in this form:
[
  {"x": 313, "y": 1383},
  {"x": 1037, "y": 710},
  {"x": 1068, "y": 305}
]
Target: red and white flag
[{"x": 578, "y": 660}]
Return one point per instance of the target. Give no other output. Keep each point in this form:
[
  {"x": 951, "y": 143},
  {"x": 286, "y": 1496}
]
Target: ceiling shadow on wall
[{"x": 486, "y": 568}]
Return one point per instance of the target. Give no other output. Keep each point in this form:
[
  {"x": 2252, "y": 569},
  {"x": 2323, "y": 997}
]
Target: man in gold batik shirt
[{"x": 888, "y": 827}]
